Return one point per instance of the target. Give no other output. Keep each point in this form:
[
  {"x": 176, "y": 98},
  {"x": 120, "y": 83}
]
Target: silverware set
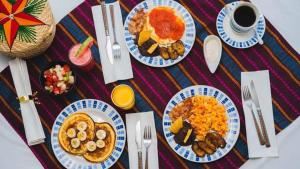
[
  {"x": 250, "y": 98},
  {"x": 147, "y": 140},
  {"x": 113, "y": 49}
]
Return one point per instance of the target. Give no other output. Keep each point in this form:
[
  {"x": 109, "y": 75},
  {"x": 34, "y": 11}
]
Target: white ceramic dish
[{"x": 212, "y": 49}]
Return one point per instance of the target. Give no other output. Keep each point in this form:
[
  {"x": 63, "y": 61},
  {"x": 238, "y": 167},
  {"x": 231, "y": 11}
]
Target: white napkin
[
  {"x": 288, "y": 142},
  {"x": 33, "y": 128},
  {"x": 146, "y": 118},
  {"x": 261, "y": 81},
  {"x": 121, "y": 69}
]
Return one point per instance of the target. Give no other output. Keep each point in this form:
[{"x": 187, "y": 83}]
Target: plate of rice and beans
[{"x": 201, "y": 123}]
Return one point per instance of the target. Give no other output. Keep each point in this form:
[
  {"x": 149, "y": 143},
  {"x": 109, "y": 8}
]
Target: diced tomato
[
  {"x": 56, "y": 90},
  {"x": 49, "y": 79},
  {"x": 54, "y": 78},
  {"x": 66, "y": 68}
]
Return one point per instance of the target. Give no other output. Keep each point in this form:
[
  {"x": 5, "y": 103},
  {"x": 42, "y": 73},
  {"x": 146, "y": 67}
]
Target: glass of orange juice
[{"x": 123, "y": 97}]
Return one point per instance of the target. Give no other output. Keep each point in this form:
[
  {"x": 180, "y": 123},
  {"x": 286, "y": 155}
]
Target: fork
[
  {"x": 116, "y": 48},
  {"x": 248, "y": 102},
  {"x": 147, "y": 142}
]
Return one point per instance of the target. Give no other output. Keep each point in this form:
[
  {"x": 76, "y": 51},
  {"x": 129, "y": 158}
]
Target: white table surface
[{"x": 283, "y": 14}]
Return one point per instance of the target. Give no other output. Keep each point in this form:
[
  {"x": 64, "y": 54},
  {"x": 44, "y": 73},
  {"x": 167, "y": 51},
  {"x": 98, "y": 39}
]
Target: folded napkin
[
  {"x": 121, "y": 69},
  {"x": 146, "y": 118},
  {"x": 288, "y": 139},
  {"x": 261, "y": 81},
  {"x": 33, "y": 128}
]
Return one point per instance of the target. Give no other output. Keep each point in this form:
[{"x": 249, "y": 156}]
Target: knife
[
  {"x": 108, "y": 42},
  {"x": 138, "y": 140},
  {"x": 258, "y": 109}
]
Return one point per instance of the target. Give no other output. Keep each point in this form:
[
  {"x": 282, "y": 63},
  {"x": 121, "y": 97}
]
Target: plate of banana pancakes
[{"x": 88, "y": 134}]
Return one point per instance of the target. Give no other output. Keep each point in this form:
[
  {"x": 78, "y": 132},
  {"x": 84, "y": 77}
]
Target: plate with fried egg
[
  {"x": 159, "y": 33},
  {"x": 88, "y": 134}
]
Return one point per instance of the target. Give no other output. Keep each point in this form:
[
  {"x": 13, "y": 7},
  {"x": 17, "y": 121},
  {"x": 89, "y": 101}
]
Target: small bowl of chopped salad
[{"x": 58, "y": 78}]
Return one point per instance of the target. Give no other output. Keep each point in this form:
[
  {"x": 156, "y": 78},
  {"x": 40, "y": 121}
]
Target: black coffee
[{"x": 244, "y": 16}]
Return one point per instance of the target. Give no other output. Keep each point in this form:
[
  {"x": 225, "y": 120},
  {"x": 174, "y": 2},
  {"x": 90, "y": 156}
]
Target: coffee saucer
[{"x": 237, "y": 40}]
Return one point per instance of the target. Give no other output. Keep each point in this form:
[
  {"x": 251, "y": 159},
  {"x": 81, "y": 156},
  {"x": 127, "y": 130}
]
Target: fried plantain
[
  {"x": 178, "y": 46},
  {"x": 210, "y": 144},
  {"x": 197, "y": 150},
  {"x": 216, "y": 139},
  {"x": 164, "y": 53},
  {"x": 172, "y": 53},
  {"x": 205, "y": 147}
]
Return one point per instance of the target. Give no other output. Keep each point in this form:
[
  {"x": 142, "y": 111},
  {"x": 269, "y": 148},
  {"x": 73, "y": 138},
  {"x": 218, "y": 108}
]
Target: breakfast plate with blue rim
[
  {"x": 232, "y": 122},
  {"x": 188, "y": 37},
  {"x": 99, "y": 112}
]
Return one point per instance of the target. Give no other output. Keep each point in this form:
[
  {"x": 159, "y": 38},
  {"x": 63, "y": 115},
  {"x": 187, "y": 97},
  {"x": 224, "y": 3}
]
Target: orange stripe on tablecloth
[
  {"x": 278, "y": 40},
  {"x": 281, "y": 109},
  {"x": 283, "y": 46},
  {"x": 230, "y": 53},
  {"x": 67, "y": 33},
  {"x": 11, "y": 109},
  {"x": 172, "y": 79},
  {"x": 239, "y": 155},
  {"x": 181, "y": 67},
  {"x": 280, "y": 64},
  {"x": 7, "y": 82},
  {"x": 81, "y": 27},
  {"x": 146, "y": 98},
  {"x": 124, "y": 6}
]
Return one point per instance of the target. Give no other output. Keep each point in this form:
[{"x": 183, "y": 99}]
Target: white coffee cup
[{"x": 239, "y": 28}]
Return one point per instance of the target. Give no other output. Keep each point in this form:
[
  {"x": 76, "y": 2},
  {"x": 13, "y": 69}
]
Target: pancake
[
  {"x": 101, "y": 154},
  {"x": 72, "y": 122}
]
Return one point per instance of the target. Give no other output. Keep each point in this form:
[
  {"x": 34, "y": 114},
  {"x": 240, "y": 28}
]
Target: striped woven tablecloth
[{"x": 155, "y": 86}]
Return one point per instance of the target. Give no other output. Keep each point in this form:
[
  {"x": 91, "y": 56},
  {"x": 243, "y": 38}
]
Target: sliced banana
[
  {"x": 101, "y": 134},
  {"x": 100, "y": 143},
  {"x": 81, "y": 135},
  {"x": 75, "y": 142},
  {"x": 91, "y": 146},
  {"x": 71, "y": 133},
  {"x": 81, "y": 126}
]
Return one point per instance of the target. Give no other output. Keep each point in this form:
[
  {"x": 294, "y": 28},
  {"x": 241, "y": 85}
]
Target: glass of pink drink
[{"x": 84, "y": 60}]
